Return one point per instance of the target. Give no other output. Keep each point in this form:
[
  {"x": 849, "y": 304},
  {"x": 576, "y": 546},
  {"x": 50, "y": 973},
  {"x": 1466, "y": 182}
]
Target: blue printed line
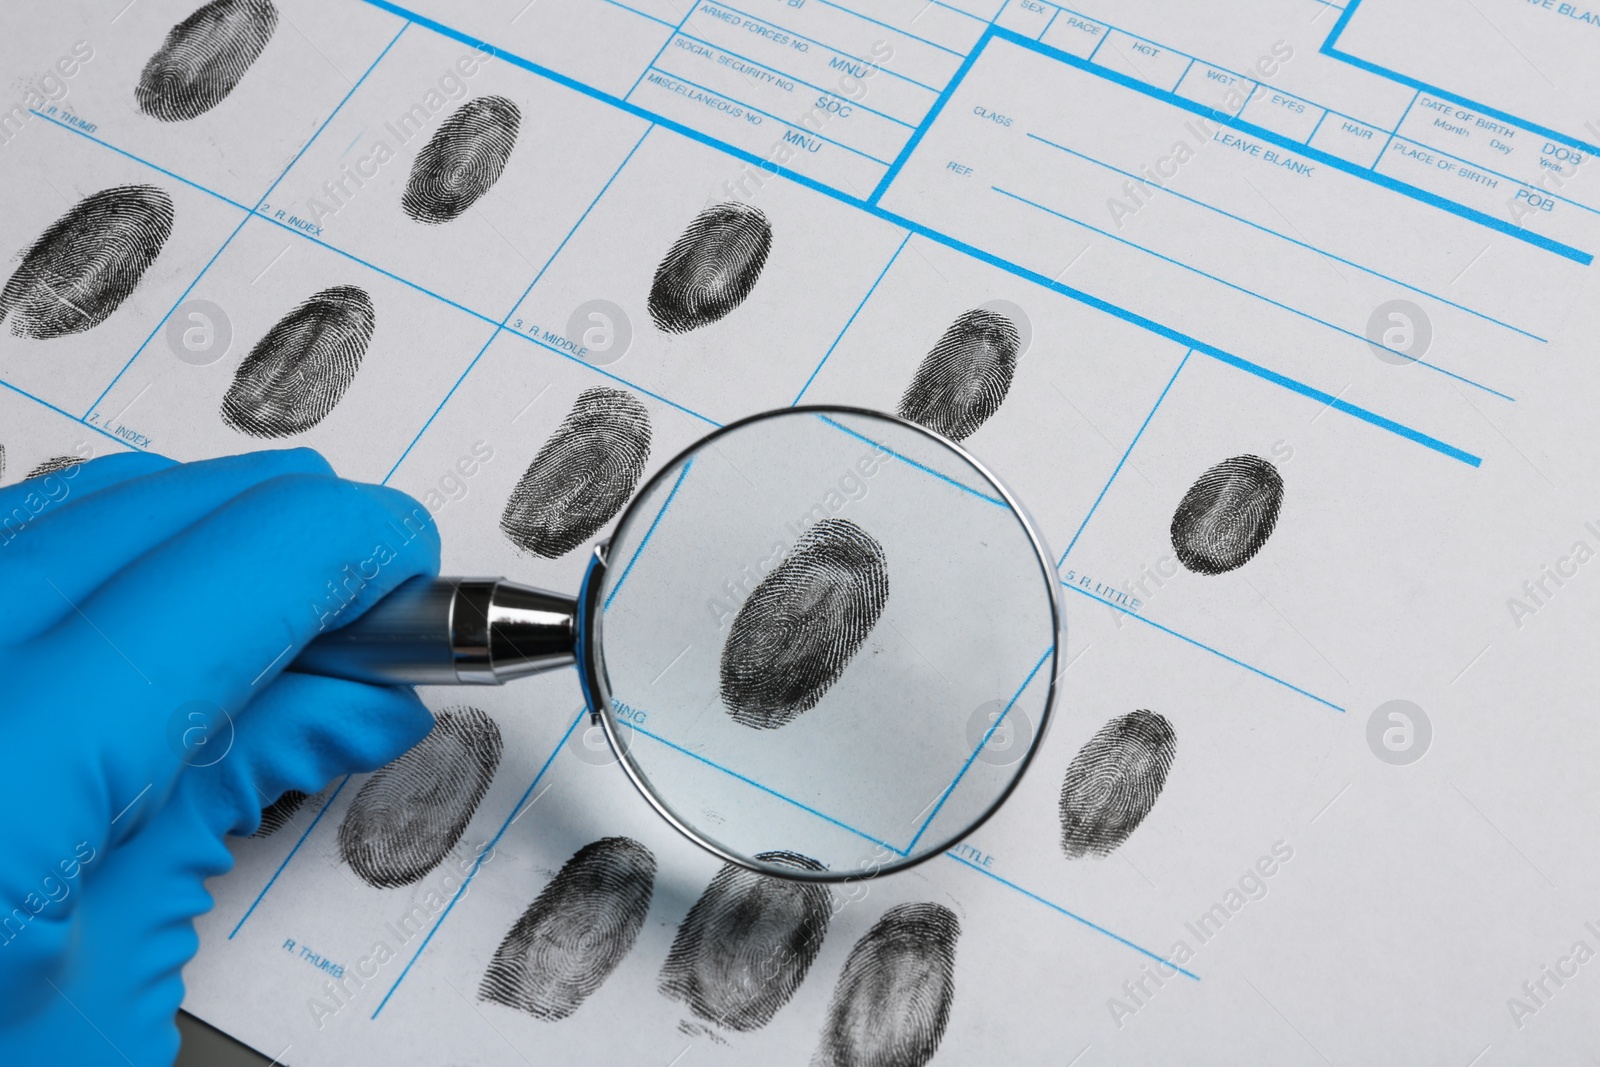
[
  {"x": 1312, "y": 136},
  {"x": 1286, "y": 237},
  {"x": 1329, "y": 49},
  {"x": 319, "y": 242},
  {"x": 1212, "y": 351},
  {"x": 904, "y": 33},
  {"x": 641, "y": 14},
  {"x": 1098, "y": 44},
  {"x": 145, "y": 162},
  {"x": 285, "y": 173},
  {"x": 851, "y": 320},
  {"x": 651, "y": 532},
  {"x": 1233, "y": 122},
  {"x": 1096, "y": 927},
  {"x": 470, "y": 311},
  {"x": 820, "y": 44},
  {"x": 662, "y": 50},
  {"x": 951, "y": 788},
  {"x": 614, "y": 377},
  {"x": 907, "y": 460},
  {"x": 519, "y": 301},
  {"x": 306, "y": 834},
  {"x": 1208, "y": 648},
  {"x": 86, "y": 424},
  {"x": 1251, "y": 292},
  {"x": 772, "y": 792},
  {"x": 773, "y": 70},
  {"x": 931, "y": 117},
  {"x": 1506, "y": 177},
  {"x": 487, "y": 850},
  {"x": 1403, "y": 116},
  {"x": 807, "y": 182},
  {"x": 1047, "y": 25},
  {"x": 1118, "y": 468},
  {"x": 768, "y": 114}
]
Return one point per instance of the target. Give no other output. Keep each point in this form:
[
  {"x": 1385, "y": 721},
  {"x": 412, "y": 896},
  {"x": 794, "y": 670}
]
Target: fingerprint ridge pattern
[
  {"x": 583, "y": 474},
  {"x": 87, "y": 262},
  {"x": 575, "y": 933},
  {"x": 799, "y": 628},
  {"x": 892, "y": 1002},
  {"x": 747, "y": 943},
  {"x": 204, "y": 57},
  {"x": 1114, "y": 781},
  {"x": 298, "y": 372},
  {"x": 965, "y": 377},
  {"x": 462, "y": 160},
  {"x": 413, "y": 810},
  {"x": 711, "y": 268},
  {"x": 1227, "y": 515}
]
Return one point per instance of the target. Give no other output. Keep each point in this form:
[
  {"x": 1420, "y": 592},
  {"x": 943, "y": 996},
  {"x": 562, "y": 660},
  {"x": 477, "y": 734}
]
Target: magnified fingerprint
[
  {"x": 747, "y": 943},
  {"x": 893, "y": 998},
  {"x": 798, "y": 630},
  {"x": 53, "y": 464},
  {"x": 84, "y": 266},
  {"x": 463, "y": 159},
  {"x": 966, "y": 376},
  {"x": 576, "y": 932},
  {"x": 203, "y": 58},
  {"x": 1113, "y": 781},
  {"x": 711, "y": 268},
  {"x": 582, "y": 475},
  {"x": 1227, "y": 515},
  {"x": 412, "y": 811},
  {"x": 277, "y": 814},
  {"x": 296, "y": 374}
]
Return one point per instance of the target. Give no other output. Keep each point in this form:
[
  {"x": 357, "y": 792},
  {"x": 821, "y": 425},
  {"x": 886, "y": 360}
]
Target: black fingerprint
[
  {"x": 711, "y": 268},
  {"x": 84, "y": 266},
  {"x": 966, "y": 376},
  {"x": 203, "y": 58},
  {"x": 296, "y": 374},
  {"x": 412, "y": 811},
  {"x": 582, "y": 475},
  {"x": 573, "y": 936},
  {"x": 893, "y": 998},
  {"x": 1113, "y": 781},
  {"x": 745, "y": 946},
  {"x": 276, "y": 816},
  {"x": 53, "y": 464},
  {"x": 1227, "y": 515},
  {"x": 793, "y": 637},
  {"x": 462, "y": 160}
]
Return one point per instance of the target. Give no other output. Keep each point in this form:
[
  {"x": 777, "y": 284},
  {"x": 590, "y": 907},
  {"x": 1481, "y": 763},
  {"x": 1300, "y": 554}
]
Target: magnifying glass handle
[{"x": 450, "y": 631}]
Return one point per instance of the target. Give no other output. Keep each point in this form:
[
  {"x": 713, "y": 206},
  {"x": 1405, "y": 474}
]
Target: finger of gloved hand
[
  {"x": 109, "y": 994},
  {"x": 25, "y": 502},
  {"x": 87, "y": 477},
  {"x": 201, "y": 623},
  {"x": 68, "y": 551},
  {"x": 133, "y": 906},
  {"x": 302, "y": 733}
]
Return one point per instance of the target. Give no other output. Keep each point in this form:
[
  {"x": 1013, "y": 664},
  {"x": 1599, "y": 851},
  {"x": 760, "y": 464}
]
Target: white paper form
[{"x": 1355, "y": 242}]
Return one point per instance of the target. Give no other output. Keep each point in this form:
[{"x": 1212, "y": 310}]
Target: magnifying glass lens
[{"x": 825, "y": 638}]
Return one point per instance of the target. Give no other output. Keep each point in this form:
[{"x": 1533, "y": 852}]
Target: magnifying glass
[{"x": 822, "y": 642}]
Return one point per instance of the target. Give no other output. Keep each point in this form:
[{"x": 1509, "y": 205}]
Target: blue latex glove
[{"x": 134, "y": 592}]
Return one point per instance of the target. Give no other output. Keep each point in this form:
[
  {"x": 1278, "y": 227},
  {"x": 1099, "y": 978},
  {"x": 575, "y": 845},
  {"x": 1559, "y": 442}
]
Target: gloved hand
[{"x": 147, "y": 613}]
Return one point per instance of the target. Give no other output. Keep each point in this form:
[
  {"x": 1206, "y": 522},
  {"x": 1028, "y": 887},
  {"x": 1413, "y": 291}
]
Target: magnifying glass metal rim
[{"x": 597, "y": 694}]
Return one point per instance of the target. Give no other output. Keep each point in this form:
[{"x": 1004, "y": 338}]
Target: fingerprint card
[
  {"x": 1322, "y": 683},
  {"x": 286, "y": 343},
  {"x": 456, "y": 171},
  {"x": 731, "y": 285}
]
